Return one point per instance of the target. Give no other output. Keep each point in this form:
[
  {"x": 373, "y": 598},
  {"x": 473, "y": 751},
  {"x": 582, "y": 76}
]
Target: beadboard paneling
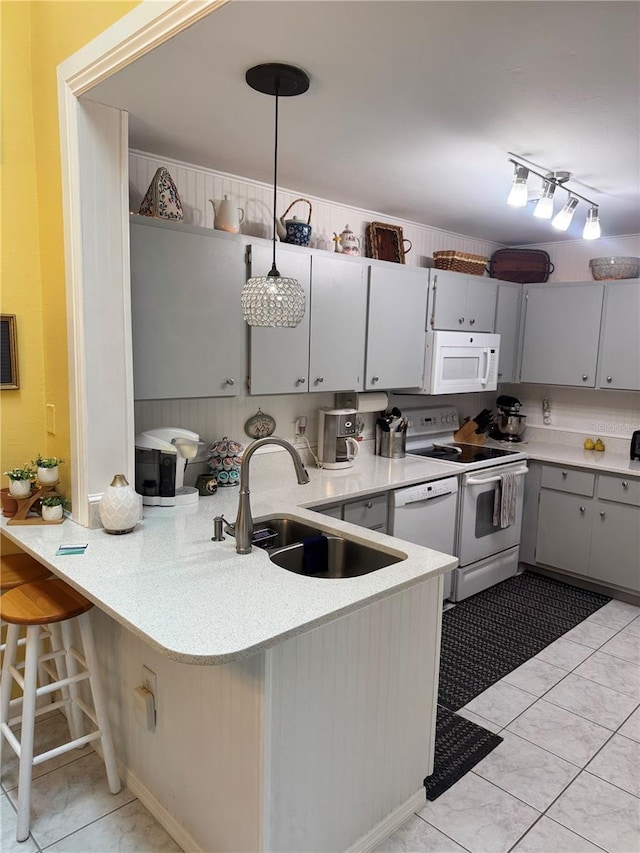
[
  {"x": 196, "y": 185},
  {"x": 352, "y": 715},
  {"x": 571, "y": 258}
]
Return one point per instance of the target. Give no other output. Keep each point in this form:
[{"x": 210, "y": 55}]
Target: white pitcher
[{"x": 227, "y": 217}]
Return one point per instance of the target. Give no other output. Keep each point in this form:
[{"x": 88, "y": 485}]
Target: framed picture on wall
[{"x": 8, "y": 353}]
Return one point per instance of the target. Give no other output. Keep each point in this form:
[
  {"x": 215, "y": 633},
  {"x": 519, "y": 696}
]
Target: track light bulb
[
  {"x": 518, "y": 195},
  {"x": 592, "y": 225},
  {"x": 563, "y": 219},
  {"x": 544, "y": 207}
]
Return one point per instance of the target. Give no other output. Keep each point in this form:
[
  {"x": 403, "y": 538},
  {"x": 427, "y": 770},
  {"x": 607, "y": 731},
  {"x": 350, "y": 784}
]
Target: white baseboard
[{"x": 388, "y": 826}]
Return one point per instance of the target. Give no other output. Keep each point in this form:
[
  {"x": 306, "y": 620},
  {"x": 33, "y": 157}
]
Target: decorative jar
[{"x": 120, "y": 506}]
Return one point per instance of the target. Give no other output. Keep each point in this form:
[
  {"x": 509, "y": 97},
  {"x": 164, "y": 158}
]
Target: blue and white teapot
[{"x": 295, "y": 230}]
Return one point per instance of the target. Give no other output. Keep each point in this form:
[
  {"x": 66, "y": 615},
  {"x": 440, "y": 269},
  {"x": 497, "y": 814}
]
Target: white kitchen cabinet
[
  {"x": 561, "y": 333},
  {"x": 619, "y": 360},
  {"x": 371, "y": 512},
  {"x": 507, "y": 325},
  {"x": 462, "y": 302},
  {"x": 279, "y": 357},
  {"x": 186, "y": 315},
  {"x": 326, "y": 351},
  {"x": 396, "y": 326},
  {"x": 589, "y": 525},
  {"x": 338, "y": 323}
]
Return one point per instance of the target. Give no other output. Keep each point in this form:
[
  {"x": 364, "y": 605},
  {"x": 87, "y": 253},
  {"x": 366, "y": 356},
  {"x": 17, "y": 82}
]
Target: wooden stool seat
[
  {"x": 16, "y": 569},
  {"x": 42, "y": 602}
]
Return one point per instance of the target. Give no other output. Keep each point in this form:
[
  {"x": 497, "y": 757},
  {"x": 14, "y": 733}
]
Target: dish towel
[{"x": 504, "y": 501}]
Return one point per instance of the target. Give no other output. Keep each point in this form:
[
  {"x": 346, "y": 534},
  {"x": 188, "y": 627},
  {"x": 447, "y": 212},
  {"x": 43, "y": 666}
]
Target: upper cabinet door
[
  {"x": 279, "y": 357},
  {"x": 620, "y": 339},
  {"x": 338, "y": 324},
  {"x": 396, "y": 332},
  {"x": 507, "y": 325},
  {"x": 462, "y": 303},
  {"x": 185, "y": 305},
  {"x": 561, "y": 333}
]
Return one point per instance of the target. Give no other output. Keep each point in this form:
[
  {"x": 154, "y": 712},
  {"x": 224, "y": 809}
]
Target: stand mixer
[{"x": 510, "y": 423}]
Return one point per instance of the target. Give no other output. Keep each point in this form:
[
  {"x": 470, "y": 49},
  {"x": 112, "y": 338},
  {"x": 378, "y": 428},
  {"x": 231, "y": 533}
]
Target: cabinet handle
[
  {"x": 472, "y": 321},
  {"x": 625, "y": 484},
  {"x": 602, "y": 513},
  {"x": 230, "y": 381},
  {"x": 375, "y": 378},
  {"x": 609, "y": 378},
  {"x": 300, "y": 380},
  {"x": 565, "y": 473},
  {"x": 460, "y": 320},
  {"x": 319, "y": 380},
  {"x": 582, "y": 509},
  {"x": 584, "y": 377},
  {"x": 369, "y": 504}
]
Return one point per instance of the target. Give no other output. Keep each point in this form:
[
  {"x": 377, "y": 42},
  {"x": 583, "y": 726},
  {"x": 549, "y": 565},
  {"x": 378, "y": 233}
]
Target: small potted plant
[
  {"x": 52, "y": 506},
  {"x": 47, "y": 468},
  {"x": 20, "y": 481}
]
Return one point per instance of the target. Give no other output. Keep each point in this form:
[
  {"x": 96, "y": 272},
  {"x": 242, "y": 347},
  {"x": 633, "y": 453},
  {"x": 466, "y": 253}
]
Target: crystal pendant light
[
  {"x": 272, "y": 299},
  {"x": 519, "y": 195},
  {"x": 592, "y": 225},
  {"x": 562, "y": 220}
]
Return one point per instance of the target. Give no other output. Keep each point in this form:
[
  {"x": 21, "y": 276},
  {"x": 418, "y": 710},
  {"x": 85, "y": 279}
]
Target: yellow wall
[{"x": 36, "y": 38}]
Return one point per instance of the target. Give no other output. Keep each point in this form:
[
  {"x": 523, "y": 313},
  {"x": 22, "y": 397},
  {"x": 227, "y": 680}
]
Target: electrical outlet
[
  {"x": 149, "y": 680},
  {"x": 301, "y": 425}
]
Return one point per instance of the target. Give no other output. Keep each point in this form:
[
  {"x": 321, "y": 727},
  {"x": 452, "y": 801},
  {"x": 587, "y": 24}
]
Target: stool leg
[
  {"x": 26, "y": 738},
  {"x": 57, "y": 645},
  {"x": 8, "y": 660},
  {"x": 99, "y": 703},
  {"x": 74, "y": 714}
]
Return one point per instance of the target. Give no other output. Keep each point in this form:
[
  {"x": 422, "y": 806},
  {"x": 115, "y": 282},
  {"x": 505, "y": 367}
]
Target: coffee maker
[
  {"x": 510, "y": 423},
  {"x": 161, "y": 459},
  {"x": 337, "y": 447}
]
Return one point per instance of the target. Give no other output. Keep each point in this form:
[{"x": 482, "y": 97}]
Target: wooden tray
[{"x": 386, "y": 243}]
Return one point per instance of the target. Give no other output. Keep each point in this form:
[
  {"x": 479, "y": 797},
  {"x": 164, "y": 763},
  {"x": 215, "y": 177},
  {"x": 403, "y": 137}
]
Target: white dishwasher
[{"x": 426, "y": 515}]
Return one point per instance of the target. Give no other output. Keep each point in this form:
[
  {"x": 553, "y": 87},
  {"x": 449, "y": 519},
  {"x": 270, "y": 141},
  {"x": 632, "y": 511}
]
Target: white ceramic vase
[
  {"x": 48, "y": 475},
  {"x": 20, "y": 488},
  {"x": 120, "y": 507},
  {"x": 52, "y": 513}
]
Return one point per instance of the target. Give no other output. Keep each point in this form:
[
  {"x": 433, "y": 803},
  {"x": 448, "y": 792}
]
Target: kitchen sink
[
  {"x": 279, "y": 532},
  {"x": 334, "y": 558}
]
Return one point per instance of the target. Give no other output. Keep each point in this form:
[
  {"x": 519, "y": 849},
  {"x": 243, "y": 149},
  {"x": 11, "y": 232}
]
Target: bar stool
[{"x": 34, "y": 605}]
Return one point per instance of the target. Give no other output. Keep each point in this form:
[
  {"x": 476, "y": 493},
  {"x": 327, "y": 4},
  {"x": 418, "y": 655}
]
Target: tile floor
[{"x": 566, "y": 778}]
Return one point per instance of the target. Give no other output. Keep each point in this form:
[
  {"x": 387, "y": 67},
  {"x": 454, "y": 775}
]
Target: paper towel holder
[{"x": 373, "y": 401}]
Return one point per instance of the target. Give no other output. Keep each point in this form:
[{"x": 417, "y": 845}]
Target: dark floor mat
[
  {"x": 460, "y": 745},
  {"x": 490, "y": 634}
]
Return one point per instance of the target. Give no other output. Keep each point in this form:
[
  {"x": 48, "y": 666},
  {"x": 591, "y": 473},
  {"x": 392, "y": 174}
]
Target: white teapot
[
  {"x": 228, "y": 217},
  {"x": 347, "y": 243}
]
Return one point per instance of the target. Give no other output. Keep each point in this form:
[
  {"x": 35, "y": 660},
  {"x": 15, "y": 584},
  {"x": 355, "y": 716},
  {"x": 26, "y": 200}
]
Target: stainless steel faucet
[{"x": 244, "y": 522}]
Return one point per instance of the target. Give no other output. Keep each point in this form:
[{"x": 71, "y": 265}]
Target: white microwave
[{"x": 460, "y": 362}]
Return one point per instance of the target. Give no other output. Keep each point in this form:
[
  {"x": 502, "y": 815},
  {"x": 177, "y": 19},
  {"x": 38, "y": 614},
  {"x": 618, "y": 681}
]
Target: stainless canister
[{"x": 391, "y": 444}]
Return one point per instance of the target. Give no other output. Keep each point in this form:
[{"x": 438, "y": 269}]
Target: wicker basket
[{"x": 461, "y": 262}]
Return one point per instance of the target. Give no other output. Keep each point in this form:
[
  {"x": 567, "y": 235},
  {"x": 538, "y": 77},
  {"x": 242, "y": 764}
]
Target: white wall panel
[
  {"x": 571, "y": 257},
  {"x": 370, "y": 753}
]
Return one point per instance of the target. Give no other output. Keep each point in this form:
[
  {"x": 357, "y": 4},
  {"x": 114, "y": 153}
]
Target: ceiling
[{"x": 412, "y": 108}]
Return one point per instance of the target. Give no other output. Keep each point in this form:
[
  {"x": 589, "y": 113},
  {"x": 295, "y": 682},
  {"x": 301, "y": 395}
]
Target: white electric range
[{"x": 487, "y": 551}]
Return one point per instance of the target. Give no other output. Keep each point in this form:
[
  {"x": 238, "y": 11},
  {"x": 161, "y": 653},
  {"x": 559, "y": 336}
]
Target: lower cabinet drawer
[
  {"x": 568, "y": 480},
  {"x": 370, "y": 512},
  {"x": 621, "y": 489}
]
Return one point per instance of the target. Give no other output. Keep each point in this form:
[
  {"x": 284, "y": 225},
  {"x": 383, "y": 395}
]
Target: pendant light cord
[{"x": 274, "y": 271}]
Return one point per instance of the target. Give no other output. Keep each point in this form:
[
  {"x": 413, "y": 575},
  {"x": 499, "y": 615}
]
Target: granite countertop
[{"x": 199, "y": 602}]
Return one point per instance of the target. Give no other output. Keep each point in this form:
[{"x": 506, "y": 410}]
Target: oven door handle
[{"x": 476, "y": 482}]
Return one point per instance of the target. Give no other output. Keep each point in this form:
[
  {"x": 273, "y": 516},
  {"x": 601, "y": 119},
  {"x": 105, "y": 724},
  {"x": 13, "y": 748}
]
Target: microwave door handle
[
  {"x": 487, "y": 361},
  {"x": 485, "y": 480}
]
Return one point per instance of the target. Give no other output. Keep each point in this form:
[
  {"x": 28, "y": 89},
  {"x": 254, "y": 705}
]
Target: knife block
[{"x": 467, "y": 433}]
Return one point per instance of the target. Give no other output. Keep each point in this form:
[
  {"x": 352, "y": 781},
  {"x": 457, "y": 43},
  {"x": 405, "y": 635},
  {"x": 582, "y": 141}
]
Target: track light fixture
[{"x": 518, "y": 197}]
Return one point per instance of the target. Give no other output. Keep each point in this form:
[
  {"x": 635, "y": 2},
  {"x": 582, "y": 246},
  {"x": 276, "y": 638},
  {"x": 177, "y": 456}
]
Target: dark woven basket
[{"x": 460, "y": 262}]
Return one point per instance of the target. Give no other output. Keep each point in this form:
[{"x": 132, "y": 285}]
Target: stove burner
[{"x": 462, "y": 453}]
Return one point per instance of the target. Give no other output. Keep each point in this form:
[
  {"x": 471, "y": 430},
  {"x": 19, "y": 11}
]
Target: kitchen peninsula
[{"x": 293, "y": 713}]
